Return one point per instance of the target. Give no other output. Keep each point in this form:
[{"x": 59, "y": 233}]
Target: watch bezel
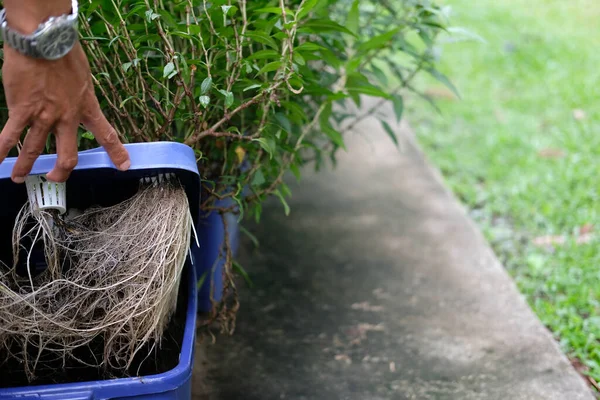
[{"x": 64, "y": 22}]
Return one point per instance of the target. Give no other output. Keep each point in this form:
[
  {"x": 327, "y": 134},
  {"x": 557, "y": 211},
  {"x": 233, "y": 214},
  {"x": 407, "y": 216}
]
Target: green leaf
[
  {"x": 257, "y": 211},
  {"x": 295, "y": 110},
  {"x": 255, "y": 86},
  {"x": 325, "y": 116},
  {"x": 237, "y": 267},
  {"x": 152, "y": 38},
  {"x": 281, "y": 36},
  {"x": 204, "y": 101},
  {"x": 379, "y": 74},
  {"x": 96, "y": 38},
  {"x": 270, "y": 67},
  {"x": 285, "y": 190},
  {"x": 378, "y": 41},
  {"x": 185, "y": 68},
  {"x": 125, "y": 101},
  {"x": 354, "y": 63},
  {"x": 259, "y": 178},
  {"x": 135, "y": 11},
  {"x": 262, "y": 54},
  {"x": 326, "y": 25},
  {"x": 273, "y": 10},
  {"x": 425, "y": 37},
  {"x": 429, "y": 100},
  {"x": 252, "y": 238},
  {"x": 206, "y": 85},
  {"x": 337, "y": 96},
  {"x": 390, "y": 132},
  {"x": 296, "y": 171},
  {"x": 169, "y": 69},
  {"x": 88, "y": 135},
  {"x": 113, "y": 40},
  {"x": 353, "y": 17},
  {"x": 335, "y": 136},
  {"x": 459, "y": 31},
  {"x": 225, "y": 31},
  {"x": 151, "y": 15},
  {"x": 92, "y": 7},
  {"x": 266, "y": 145},
  {"x": 327, "y": 129},
  {"x": 434, "y": 24},
  {"x": 195, "y": 29},
  {"x": 307, "y": 8},
  {"x": 263, "y": 38},
  {"x": 284, "y": 122},
  {"x": 184, "y": 35},
  {"x": 239, "y": 204},
  {"x": 444, "y": 80},
  {"x": 358, "y": 79},
  {"x": 286, "y": 207},
  {"x": 298, "y": 59},
  {"x": 200, "y": 282},
  {"x": 126, "y": 66},
  {"x": 228, "y": 97},
  {"x": 331, "y": 58},
  {"x": 398, "y": 102},
  {"x": 369, "y": 91},
  {"x": 308, "y": 46},
  {"x": 168, "y": 18}
]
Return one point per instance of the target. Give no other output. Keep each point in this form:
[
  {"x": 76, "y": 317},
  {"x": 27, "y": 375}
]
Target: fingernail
[
  {"x": 18, "y": 179},
  {"x": 125, "y": 166}
]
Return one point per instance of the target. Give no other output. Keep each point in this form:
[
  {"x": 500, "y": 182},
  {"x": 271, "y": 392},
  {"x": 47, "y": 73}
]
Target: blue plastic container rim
[
  {"x": 144, "y": 156},
  {"x": 147, "y": 159}
]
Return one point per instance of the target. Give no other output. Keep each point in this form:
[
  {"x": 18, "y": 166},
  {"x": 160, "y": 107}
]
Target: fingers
[
  {"x": 66, "y": 149},
  {"x": 106, "y": 135},
  {"x": 10, "y": 136},
  {"x": 33, "y": 146}
]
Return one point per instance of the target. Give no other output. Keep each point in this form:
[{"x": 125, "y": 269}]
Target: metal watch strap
[{"x": 16, "y": 40}]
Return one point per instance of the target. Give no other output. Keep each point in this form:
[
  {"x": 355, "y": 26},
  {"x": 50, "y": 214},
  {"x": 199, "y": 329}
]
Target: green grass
[{"x": 519, "y": 89}]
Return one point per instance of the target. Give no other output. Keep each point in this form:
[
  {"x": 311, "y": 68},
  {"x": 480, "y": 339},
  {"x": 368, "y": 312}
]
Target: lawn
[{"x": 521, "y": 149}]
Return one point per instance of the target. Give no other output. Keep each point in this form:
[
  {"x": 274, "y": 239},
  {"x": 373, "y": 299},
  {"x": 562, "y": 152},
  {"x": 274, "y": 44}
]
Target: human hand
[{"x": 53, "y": 96}]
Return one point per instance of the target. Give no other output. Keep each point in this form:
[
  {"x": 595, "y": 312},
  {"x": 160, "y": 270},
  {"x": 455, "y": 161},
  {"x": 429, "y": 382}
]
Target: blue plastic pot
[
  {"x": 96, "y": 180},
  {"x": 210, "y": 258}
]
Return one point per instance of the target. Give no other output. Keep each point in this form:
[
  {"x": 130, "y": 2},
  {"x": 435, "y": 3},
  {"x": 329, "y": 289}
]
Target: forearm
[{"x": 26, "y": 15}]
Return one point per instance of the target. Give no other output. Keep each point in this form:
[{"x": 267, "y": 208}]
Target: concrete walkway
[{"x": 378, "y": 286}]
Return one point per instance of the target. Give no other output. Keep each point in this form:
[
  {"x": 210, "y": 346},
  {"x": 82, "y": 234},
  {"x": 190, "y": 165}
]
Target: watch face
[{"x": 57, "y": 39}]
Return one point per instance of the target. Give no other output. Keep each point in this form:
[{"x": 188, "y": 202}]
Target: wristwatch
[{"x": 52, "y": 40}]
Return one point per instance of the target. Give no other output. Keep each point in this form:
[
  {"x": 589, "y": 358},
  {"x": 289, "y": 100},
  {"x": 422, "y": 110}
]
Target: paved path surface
[{"x": 377, "y": 286}]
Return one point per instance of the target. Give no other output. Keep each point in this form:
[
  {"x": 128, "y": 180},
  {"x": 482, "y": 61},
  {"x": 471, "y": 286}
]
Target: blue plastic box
[
  {"x": 209, "y": 258},
  {"x": 96, "y": 170}
]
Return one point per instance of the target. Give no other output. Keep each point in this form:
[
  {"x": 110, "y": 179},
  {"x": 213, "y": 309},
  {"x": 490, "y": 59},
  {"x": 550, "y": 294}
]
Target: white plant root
[{"x": 112, "y": 273}]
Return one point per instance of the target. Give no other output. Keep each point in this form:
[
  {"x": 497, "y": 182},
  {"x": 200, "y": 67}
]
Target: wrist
[{"x": 25, "y": 16}]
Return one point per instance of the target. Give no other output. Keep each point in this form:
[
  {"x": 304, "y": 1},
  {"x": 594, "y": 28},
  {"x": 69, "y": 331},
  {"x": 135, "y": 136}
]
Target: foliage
[{"x": 251, "y": 85}]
